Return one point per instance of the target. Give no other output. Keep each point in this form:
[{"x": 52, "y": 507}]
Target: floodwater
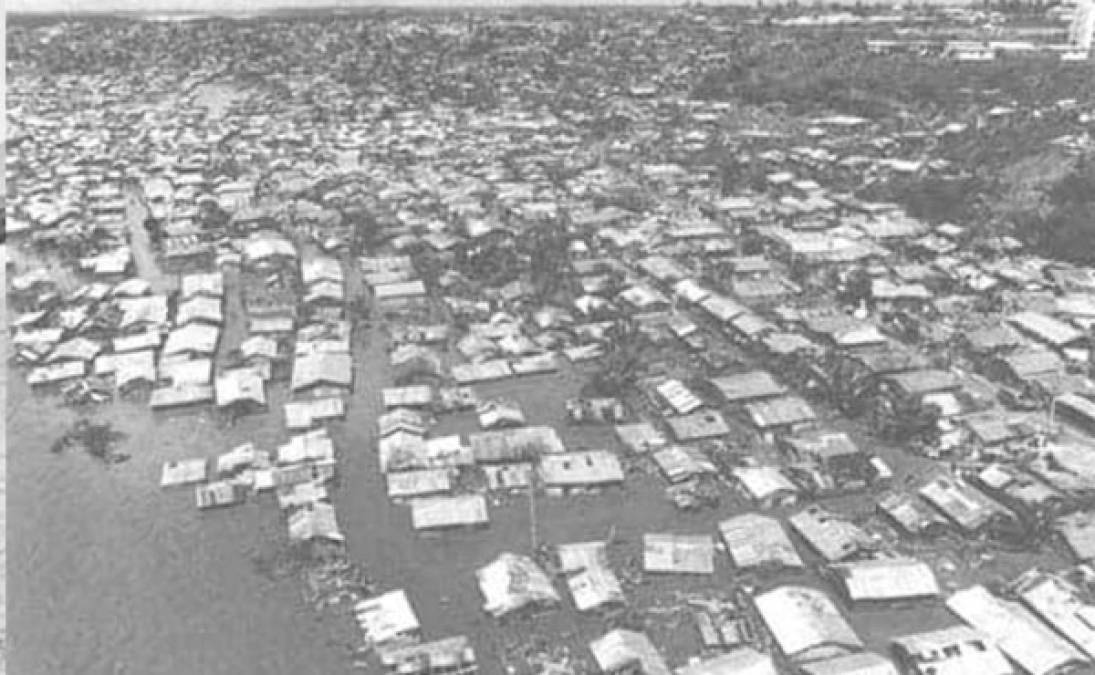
[{"x": 109, "y": 573}]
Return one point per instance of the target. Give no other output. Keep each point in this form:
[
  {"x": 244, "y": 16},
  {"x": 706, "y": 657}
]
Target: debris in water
[{"x": 98, "y": 440}]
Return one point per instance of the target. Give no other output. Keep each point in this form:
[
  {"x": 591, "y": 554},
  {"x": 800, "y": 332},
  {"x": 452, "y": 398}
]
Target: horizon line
[{"x": 276, "y": 6}]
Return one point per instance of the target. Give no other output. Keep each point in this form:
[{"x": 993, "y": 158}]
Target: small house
[
  {"x": 1016, "y": 631},
  {"x": 781, "y": 415},
  {"x": 625, "y": 651},
  {"x": 957, "y": 650},
  {"x": 756, "y": 541},
  {"x": 434, "y": 513},
  {"x": 885, "y": 580},
  {"x": 806, "y": 624},
  {"x": 512, "y": 582},
  {"x": 591, "y": 468},
  {"x": 834, "y": 538},
  {"x": 387, "y": 618},
  {"x": 678, "y": 554}
]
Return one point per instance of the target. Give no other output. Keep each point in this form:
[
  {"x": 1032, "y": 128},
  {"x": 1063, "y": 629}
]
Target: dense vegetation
[{"x": 1067, "y": 231}]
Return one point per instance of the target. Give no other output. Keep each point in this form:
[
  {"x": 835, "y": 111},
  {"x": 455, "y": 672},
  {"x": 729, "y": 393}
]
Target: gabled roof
[
  {"x": 322, "y": 368},
  {"x": 1017, "y": 632},
  {"x": 865, "y": 663},
  {"x": 386, "y": 617},
  {"x": 887, "y": 579},
  {"x": 240, "y": 385},
  {"x": 194, "y": 338},
  {"x": 917, "y": 382},
  {"x": 1045, "y": 328},
  {"x": 741, "y": 661},
  {"x": 957, "y": 650},
  {"x": 441, "y": 512},
  {"x": 806, "y": 624},
  {"x": 969, "y": 508},
  {"x": 591, "y": 467},
  {"x": 747, "y": 386},
  {"x": 1063, "y": 607},
  {"x": 755, "y": 540},
  {"x": 620, "y": 649},
  {"x": 780, "y": 411},
  {"x": 699, "y": 425},
  {"x": 833, "y": 537},
  {"x": 511, "y": 582},
  {"x": 678, "y": 553}
]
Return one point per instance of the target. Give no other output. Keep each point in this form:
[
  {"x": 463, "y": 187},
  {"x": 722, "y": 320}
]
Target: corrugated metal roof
[
  {"x": 1019, "y": 634},
  {"x": 780, "y": 411},
  {"x": 1046, "y": 328},
  {"x": 830, "y": 535},
  {"x": 744, "y": 661},
  {"x": 679, "y": 397},
  {"x": 747, "y": 386},
  {"x": 806, "y": 624},
  {"x": 754, "y": 540},
  {"x": 440, "y": 512},
  {"x": 887, "y": 579},
  {"x": 1062, "y": 607},
  {"x": 621, "y": 649},
  {"x": 572, "y": 469},
  {"x": 958, "y": 650},
  {"x": 678, "y": 553},
  {"x": 867, "y": 663}
]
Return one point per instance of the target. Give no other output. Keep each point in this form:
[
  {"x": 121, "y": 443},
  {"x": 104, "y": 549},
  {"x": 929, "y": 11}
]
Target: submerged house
[
  {"x": 434, "y": 513},
  {"x": 591, "y": 580},
  {"x": 321, "y": 369},
  {"x": 951, "y": 651},
  {"x": 970, "y": 510},
  {"x": 512, "y": 582},
  {"x": 806, "y": 624},
  {"x": 756, "y": 541},
  {"x": 590, "y": 468},
  {"x": 864, "y": 663},
  {"x": 678, "y": 554},
  {"x": 782, "y": 415},
  {"x": 387, "y": 618},
  {"x": 1016, "y": 631},
  {"x": 885, "y": 580},
  {"x": 832, "y": 537},
  {"x": 626, "y": 651}
]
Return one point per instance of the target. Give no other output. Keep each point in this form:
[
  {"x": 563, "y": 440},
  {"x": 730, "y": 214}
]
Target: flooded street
[
  {"x": 784, "y": 377},
  {"x": 170, "y": 589}
]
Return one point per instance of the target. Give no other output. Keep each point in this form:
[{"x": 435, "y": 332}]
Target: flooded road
[{"x": 111, "y": 574}]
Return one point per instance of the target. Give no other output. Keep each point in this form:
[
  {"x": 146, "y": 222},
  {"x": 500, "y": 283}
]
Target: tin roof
[
  {"x": 1017, "y": 632},
  {"x": 755, "y": 540},
  {"x": 747, "y": 386},
  {"x": 572, "y": 469},
  {"x": 832, "y": 536},
  {"x": 511, "y": 582},
  {"x": 621, "y": 649},
  {"x": 780, "y": 411},
  {"x": 887, "y": 579},
  {"x": 806, "y": 624},
  {"x": 954, "y": 651},
  {"x": 866, "y": 663},
  {"x": 432, "y": 513},
  {"x": 677, "y": 553}
]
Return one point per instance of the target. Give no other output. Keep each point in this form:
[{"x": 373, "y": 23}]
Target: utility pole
[{"x": 532, "y": 510}]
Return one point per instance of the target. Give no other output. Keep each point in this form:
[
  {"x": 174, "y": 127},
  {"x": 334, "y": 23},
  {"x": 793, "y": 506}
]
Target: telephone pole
[{"x": 533, "y": 535}]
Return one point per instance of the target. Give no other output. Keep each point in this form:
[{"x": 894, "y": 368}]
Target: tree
[{"x": 621, "y": 364}]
